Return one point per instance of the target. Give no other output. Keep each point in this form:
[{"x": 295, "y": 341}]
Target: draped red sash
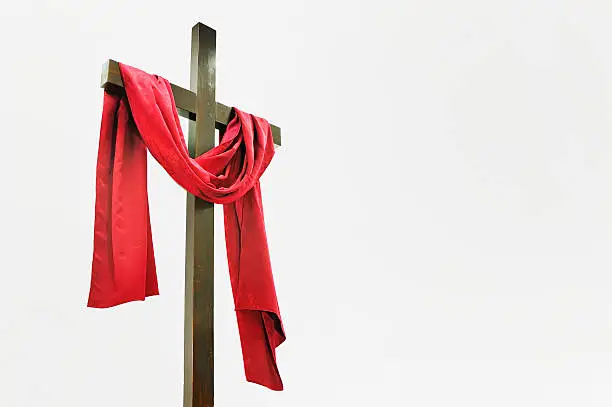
[{"x": 123, "y": 266}]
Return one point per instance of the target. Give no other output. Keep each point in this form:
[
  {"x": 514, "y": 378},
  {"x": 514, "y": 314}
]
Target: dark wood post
[{"x": 199, "y": 262}]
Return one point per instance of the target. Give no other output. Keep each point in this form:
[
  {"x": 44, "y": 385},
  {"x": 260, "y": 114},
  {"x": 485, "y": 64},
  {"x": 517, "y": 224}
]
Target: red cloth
[{"x": 123, "y": 266}]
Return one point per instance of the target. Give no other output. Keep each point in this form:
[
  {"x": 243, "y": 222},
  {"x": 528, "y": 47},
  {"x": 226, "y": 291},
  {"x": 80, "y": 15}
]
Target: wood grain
[{"x": 199, "y": 382}]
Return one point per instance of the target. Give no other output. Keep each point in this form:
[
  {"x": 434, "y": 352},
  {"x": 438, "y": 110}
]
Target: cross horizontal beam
[{"x": 185, "y": 99}]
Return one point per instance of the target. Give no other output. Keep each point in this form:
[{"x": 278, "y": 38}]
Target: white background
[{"x": 439, "y": 215}]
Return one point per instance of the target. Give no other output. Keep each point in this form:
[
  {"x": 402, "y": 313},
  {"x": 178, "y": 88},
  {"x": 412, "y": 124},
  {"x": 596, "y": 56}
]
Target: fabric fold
[{"x": 123, "y": 265}]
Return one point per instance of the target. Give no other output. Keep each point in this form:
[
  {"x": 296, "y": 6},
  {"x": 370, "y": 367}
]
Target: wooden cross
[{"x": 204, "y": 114}]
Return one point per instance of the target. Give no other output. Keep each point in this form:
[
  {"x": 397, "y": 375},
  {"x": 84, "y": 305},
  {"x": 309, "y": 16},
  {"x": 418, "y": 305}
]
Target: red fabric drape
[{"x": 123, "y": 266}]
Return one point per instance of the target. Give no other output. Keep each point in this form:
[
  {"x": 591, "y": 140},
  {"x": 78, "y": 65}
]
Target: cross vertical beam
[{"x": 198, "y": 390}]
